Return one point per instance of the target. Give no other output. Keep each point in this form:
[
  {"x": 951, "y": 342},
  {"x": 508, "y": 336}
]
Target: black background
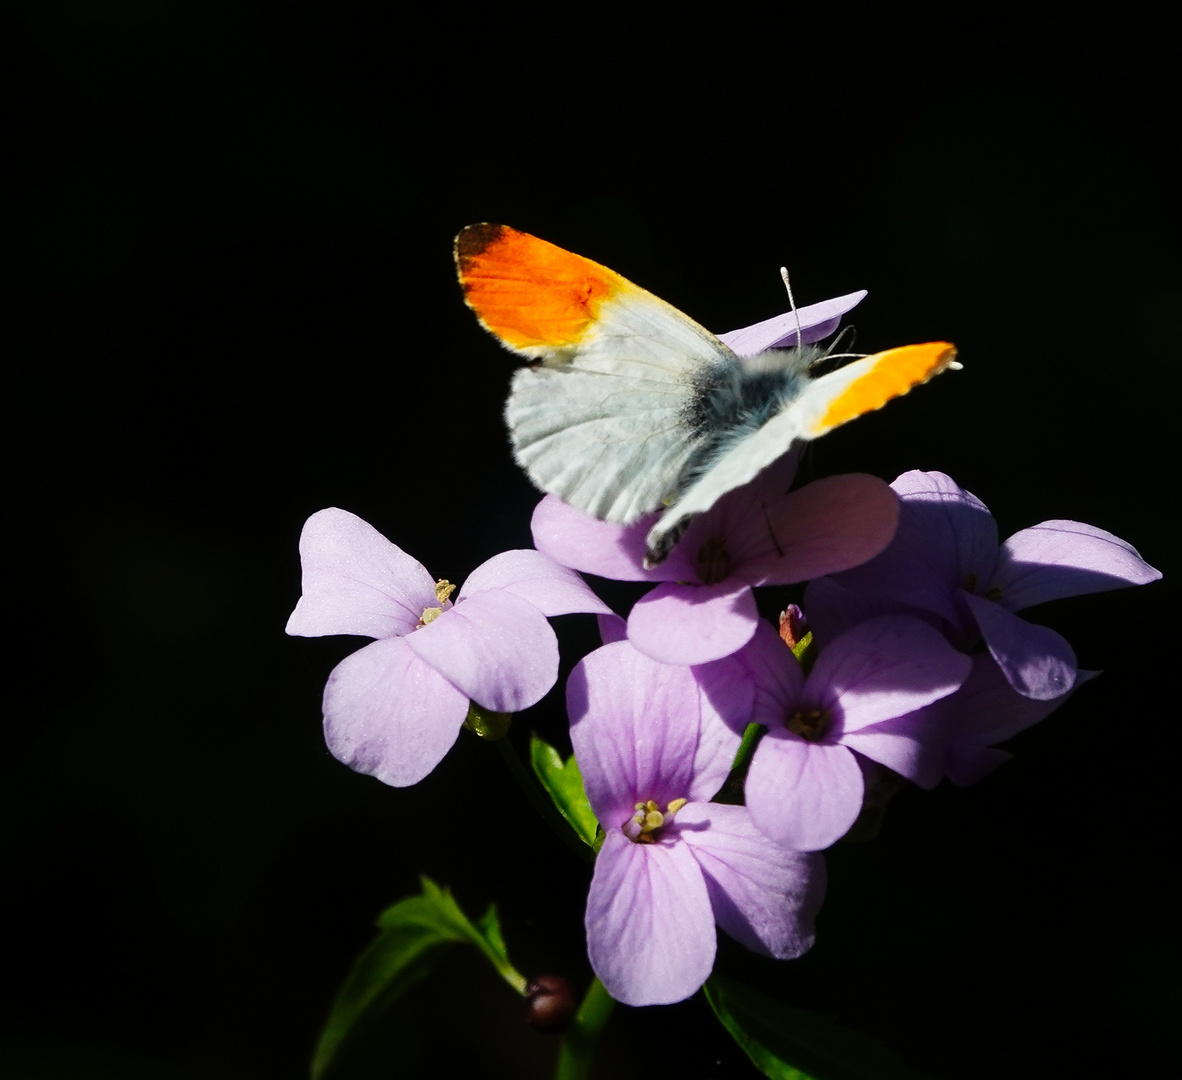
[{"x": 226, "y": 249}]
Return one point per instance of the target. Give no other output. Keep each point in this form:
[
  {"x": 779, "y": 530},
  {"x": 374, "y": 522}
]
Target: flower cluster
[{"x": 906, "y": 658}]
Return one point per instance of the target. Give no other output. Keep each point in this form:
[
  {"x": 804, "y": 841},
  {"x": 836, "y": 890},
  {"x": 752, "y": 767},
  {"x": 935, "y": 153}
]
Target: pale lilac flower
[
  {"x": 946, "y": 563},
  {"x": 704, "y": 608},
  {"x": 653, "y": 747},
  {"x": 805, "y": 784},
  {"x": 394, "y": 708}
]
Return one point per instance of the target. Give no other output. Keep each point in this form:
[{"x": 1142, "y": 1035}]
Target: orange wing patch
[
  {"x": 895, "y": 371},
  {"x": 533, "y": 295}
]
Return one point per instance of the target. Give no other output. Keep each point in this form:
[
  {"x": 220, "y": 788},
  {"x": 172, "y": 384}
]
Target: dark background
[{"x": 226, "y": 250}]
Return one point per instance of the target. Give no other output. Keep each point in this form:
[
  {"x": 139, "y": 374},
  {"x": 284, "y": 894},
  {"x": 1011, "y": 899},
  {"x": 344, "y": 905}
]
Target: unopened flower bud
[
  {"x": 793, "y": 626},
  {"x": 551, "y": 1004}
]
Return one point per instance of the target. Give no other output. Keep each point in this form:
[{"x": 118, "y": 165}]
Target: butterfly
[{"x": 629, "y": 406}]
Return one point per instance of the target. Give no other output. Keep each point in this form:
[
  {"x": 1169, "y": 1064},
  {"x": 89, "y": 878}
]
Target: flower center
[
  {"x": 644, "y": 827},
  {"x": 810, "y": 724},
  {"x": 992, "y": 593},
  {"x": 443, "y": 589},
  {"x": 713, "y": 562}
]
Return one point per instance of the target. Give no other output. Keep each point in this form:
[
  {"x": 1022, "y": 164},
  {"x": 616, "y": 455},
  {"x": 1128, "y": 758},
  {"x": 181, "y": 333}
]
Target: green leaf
[
  {"x": 564, "y": 784},
  {"x": 413, "y": 936},
  {"x": 786, "y": 1043}
]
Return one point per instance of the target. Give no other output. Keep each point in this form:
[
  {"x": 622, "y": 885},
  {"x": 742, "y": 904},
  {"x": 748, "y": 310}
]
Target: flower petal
[
  {"x": 813, "y": 322},
  {"x": 1065, "y": 558},
  {"x": 942, "y": 517},
  {"x": 495, "y": 647},
  {"x": 831, "y": 608},
  {"x": 605, "y": 548},
  {"x": 883, "y": 668},
  {"x": 944, "y": 532},
  {"x": 822, "y": 528},
  {"x": 893, "y": 578},
  {"x": 693, "y": 624},
  {"x": 389, "y": 714},
  {"x": 552, "y": 589},
  {"x": 805, "y": 796},
  {"x": 356, "y": 582},
  {"x": 611, "y": 628},
  {"x": 1037, "y": 662},
  {"x": 765, "y": 896},
  {"x": 776, "y": 675},
  {"x": 727, "y": 695},
  {"x": 634, "y": 728},
  {"x": 988, "y": 710},
  {"x": 650, "y": 928},
  {"x": 912, "y": 745}
]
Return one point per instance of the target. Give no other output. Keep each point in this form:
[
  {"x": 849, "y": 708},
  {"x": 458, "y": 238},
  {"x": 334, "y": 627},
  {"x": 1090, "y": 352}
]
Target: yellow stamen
[
  {"x": 649, "y": 819},
  {"x": 443, "y": 589}
]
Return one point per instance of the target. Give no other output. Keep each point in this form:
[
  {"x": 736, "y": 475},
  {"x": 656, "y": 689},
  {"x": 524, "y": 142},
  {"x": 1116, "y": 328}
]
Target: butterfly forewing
[
  {"x": 867, "y": 384},
  {"x": 604, "y": 421}
]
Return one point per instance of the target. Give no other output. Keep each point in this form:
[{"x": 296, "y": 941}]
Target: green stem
[
  {"x": 751, "y": 736},
  {"x": 578, "y": 1044},
  {"x": 541, "y": 803}
]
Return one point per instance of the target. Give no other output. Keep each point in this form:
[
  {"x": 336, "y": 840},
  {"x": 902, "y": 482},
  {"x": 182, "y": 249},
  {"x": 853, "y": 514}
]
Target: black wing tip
[{"x": 475, "y": 240}]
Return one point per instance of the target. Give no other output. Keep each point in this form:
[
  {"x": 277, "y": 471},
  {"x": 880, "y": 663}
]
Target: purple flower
[
  {"x": 805, "y": 785},
  {"x": 755, "y": 535},
  {"x": 394, "y": 708},
  {"x": 653, "y": 748},
  {"x": 945, "y": 562}
]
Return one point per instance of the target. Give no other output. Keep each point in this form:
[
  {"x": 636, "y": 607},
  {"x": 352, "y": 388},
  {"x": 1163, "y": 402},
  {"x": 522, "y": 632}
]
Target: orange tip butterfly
[{"x": 629, "y": 406}]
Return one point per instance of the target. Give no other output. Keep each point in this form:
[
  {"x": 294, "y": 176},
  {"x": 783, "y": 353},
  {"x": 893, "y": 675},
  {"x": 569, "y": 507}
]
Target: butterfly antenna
[
  {"x": 825, "y": 362},
  {"x": 792, "y": 302},
  {"x": 847, "y": 335}
]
